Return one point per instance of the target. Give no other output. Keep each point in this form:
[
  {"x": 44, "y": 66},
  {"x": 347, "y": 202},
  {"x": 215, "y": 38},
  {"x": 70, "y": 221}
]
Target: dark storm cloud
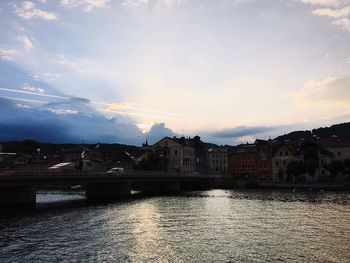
[
  {"x": 48, "y": 125},
  {"x": 158, "y": 131},
  {"x": 240, "y": 131}
]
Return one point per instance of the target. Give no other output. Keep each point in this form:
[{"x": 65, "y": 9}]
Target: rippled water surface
[{"x": 211, "y": 226}]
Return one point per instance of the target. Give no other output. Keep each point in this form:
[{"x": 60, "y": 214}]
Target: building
[
  {"x": 22, "y": 159},
  {"x": 339, "y": 147},
  {"x": 251, "y": 161},
  {"x": 201, "y": 156},
  {"x": 218, "y": 160},
  {"x": 84, "y": 158},
  {"x": 282, "y": 155},
  {"x": 177, "y": 154},
  {"x": 125, "y": 160},
  {"x": 315, "y": 158}
]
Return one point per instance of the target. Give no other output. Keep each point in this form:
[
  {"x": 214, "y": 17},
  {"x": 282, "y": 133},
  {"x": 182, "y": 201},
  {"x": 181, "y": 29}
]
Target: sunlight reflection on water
[{"x": 210, "y": 226}]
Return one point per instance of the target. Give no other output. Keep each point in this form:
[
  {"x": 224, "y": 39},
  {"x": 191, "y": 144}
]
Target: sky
[{"x": 120, "y": 71}]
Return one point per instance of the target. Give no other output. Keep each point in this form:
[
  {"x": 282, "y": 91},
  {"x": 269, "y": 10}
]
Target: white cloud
[
  {"x": 22, "y": 106},
  {"x": 246, "y": 139},
  {"x": 28, "y": 11},
  {"x": 8, "y": 53},
  {"x": 334, "y": 13},
  {"x": 134, "y": 3},
  {"x": 33, "y": 89},
  {"x": 26, "y": 43},
  {"x": 34, "y": 93},
  {"x": 323, "y": 2},
  {"x": 330, "y": 93},
  {"x": 338, "y": 10},
  {"x": 87, "y": 5},
  {"x": 157, "y": 4},
  {"x": 343, "y": 23},
  {"x": 63, "y": 112},
  {"x": 26, "y": 5},
  {"x": 52, "y": 76}
]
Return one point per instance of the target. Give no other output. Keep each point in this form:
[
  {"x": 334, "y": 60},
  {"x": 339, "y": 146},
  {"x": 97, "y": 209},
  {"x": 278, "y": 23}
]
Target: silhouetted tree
[
  {"x": 335, "y": 167},
  {"x": 156, "y": 161},
  {"x": 311, "y": 167},
  {"x": 294, "y": 169},
  {"x": 347, "y": 166}
]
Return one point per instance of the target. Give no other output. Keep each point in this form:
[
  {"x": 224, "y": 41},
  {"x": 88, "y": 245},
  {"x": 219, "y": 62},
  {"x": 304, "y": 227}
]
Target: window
[
  {"x": 175, "y": 152},
  {"x": 277, "y": 163},
  {"x": 281, "y": 153},
  {"x": 286, "y": 153},
  {"x": 284, "y": 162},
  {"x": 339, "y": 153}
]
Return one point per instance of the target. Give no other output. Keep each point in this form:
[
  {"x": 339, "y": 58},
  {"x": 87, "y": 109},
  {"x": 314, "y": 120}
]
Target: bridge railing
[
  {"x": 133, "y": 173},
  {"x": 53, "y": 173}
]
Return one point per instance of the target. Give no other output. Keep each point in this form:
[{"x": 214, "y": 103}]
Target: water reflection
[
  {"x": 145, "y": 220},
  {"x": 210, "y": 226}
]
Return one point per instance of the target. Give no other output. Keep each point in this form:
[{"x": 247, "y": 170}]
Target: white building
[
  {"x": 217, "y": 160},
  {"x": 281, "y": 157},
  {"x": 178, "y": 153}
]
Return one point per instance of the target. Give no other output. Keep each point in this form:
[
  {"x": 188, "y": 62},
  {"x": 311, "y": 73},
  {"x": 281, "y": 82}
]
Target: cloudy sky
[{"x": 121, "y": 70}]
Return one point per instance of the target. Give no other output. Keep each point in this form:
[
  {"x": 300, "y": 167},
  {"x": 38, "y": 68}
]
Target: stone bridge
[{"x": 20, "y": 189}]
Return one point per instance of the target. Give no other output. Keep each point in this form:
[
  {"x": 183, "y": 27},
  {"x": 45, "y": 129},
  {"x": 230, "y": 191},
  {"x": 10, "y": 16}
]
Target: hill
[{"x": 341, "y": 130}]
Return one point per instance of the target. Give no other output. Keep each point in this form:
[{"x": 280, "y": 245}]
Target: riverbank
[{"x": 244, "y": 184}]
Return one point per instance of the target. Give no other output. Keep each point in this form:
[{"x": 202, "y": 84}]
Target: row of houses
[
  {"x": 263, "y": 160},
  {"x": 77, "y": 158}
]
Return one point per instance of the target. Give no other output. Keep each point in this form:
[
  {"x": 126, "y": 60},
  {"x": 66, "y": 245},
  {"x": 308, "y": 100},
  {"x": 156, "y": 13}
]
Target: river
[{"x": 208, "y": 226}]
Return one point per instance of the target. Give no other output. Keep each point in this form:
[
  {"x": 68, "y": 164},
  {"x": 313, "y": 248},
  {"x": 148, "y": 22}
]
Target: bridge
[{"x": 20, "y": 189}]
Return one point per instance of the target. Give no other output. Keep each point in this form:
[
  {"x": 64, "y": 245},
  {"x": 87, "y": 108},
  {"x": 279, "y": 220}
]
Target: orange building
[{"x": 252, "y": 160}]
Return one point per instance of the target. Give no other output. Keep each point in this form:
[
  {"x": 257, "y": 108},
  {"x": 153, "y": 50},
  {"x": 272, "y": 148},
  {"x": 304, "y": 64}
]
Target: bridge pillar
[
  {"x": 16, "y": 197},
  {"x": 108, "y": 191},
  {"x": 196, "y": 186},
  {"x": 160, "y": 187}
]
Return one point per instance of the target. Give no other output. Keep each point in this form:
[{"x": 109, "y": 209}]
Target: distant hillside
[{"x": 341, "y": 130}]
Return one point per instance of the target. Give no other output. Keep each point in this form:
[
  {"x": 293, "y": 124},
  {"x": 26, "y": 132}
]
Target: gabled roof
[
  {"x": 289, "y": 146},
  {"x": 182, "y": 140},
  {"x": 318, "y": 145},
  {"x": 218, "y": 150}
]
